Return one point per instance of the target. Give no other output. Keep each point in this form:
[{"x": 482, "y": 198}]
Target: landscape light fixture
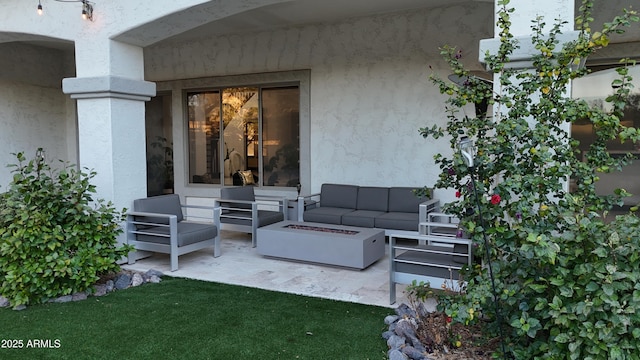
[
  {"x": 467, "y": 150},
  {"x": 87, "y": 8}
]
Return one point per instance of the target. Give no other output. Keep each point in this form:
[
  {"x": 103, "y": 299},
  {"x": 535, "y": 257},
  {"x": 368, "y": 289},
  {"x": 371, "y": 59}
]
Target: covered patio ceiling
[
  {"x": 312, "y": 11},
  {"x": 206, "y": 20},
  {"x": 277, "y": 15}
]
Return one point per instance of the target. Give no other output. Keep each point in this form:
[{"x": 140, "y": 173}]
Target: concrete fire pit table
[{"x": 338, "y": 245}]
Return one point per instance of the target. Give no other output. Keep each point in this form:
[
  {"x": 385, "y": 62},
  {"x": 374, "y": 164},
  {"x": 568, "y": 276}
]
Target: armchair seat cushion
[
  {"x": 188, "y": 233},
  {"x": 361, "y": 218},
  {"x": 398, "y": 221},
  {"x": 325, "y": 214}
]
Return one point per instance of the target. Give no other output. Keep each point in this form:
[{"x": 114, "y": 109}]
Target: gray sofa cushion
[
  {"x": 402, "y": 199},
  {"x": 398, "y": 221},
  {"x": 361, "y": 218},
  {"x": 339, "y": 196},
  {"x": 163, "y": 204},
  {"x": 373, "y": 198},
  {"x": 188, "y": 233},
  {"x": 326, "y": 215}
]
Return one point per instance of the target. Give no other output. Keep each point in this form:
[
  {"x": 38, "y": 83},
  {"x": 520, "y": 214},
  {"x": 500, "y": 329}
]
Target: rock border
[
  {"x": 401, "y": 337},
  {"x": 123, "y": 280}
]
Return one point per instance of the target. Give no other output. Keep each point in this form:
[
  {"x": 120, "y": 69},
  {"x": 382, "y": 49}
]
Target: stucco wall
[
  {"x": 369, "y": 84},
  {"x": 33, "y": 110}
]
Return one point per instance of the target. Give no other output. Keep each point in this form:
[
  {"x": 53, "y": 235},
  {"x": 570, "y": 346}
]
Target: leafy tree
[
  {"x": 565, "y": 278},
  {"x": 54, "y": 239}
]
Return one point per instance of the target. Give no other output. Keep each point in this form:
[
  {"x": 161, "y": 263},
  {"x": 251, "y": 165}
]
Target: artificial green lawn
[{"x": 190, "y": 319}]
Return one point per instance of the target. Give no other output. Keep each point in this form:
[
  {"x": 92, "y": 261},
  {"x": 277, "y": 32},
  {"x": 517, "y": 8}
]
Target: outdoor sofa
[
  {"x": 394, "y": 209},
  {"x": 430, "y": 249}
]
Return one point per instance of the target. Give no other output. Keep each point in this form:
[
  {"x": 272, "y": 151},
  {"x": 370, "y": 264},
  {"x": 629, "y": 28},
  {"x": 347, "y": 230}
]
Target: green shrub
[
  {"x": 566, "y": 279},
  {"x": 54, "y": 240}
]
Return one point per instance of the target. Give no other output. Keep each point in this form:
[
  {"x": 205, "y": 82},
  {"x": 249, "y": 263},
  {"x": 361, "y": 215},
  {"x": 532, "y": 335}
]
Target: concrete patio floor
[{"x": 240, "y": 264}]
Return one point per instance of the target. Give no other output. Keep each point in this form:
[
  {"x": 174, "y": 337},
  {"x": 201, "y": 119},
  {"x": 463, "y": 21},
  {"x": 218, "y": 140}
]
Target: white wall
[
  {"x": 33, "y": 111},
  {"x": 369, "y": 85}
]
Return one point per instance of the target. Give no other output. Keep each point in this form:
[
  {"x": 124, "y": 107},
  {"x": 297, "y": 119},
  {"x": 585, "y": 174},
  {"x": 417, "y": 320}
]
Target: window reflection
[
  {"x": 159, "y": 143},
  {"x": 260, "y": 134},
  {"x": 281, "y": 136},
  {"x": 594, "y": 88},
  {"x": 204, "y": 137},
  {"x": 240, "y": 109}
]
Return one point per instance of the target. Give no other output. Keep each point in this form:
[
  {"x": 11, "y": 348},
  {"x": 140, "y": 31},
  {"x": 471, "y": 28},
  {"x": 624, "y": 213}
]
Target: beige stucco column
[
  {"x": 525, "y": 12},
  {"x": 111, "y": 94},
  {"x": 521, "y": 20}
]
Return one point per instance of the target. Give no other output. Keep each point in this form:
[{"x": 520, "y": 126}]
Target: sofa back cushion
[
  {"x": 340, "y": 196},
  {"x": 163, "y": 204},
  {"x": 402, "y": 199},
  {"x": 373, "y": 198}
]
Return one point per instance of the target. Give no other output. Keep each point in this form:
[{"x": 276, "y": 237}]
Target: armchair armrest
[
  {"x": 281, "y": 200},
  {"x": 231, "y": 205},
  {"x": 167, "y": 220},
  {"x": 310, "y": 197},
  {"x": 440, "y": 224},
  {"x": 148, "y": 218},
  {"x": 150, "y": 214},
  {"x": 215, "y": 213},
  {"x": 304, "y": 202},
  {"x": 138, "y": 226},
  {"x": 426, "y": 207}
]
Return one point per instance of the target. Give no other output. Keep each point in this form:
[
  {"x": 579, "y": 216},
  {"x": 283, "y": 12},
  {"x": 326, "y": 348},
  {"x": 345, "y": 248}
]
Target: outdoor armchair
[
  {"x": 157, "y": 224},
  {"x": 239, "y": 210}
]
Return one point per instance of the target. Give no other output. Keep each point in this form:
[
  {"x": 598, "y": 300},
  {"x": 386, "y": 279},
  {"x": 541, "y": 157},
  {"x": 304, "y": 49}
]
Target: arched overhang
[{"x": 232, "y": 16}]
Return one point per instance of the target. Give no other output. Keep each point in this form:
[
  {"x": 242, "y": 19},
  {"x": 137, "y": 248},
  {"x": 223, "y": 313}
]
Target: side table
[{"x": 295, "y": 211}]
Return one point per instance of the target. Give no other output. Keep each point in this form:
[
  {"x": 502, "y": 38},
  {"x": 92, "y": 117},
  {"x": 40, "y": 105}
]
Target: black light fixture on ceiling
[
  {"x": 87, "y": 8},
  {"x": 478, "y": 76}
]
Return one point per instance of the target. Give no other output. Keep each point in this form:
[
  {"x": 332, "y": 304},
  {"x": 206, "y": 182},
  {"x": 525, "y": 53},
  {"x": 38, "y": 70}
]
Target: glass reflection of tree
[{"x": 239, "y": 108}]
